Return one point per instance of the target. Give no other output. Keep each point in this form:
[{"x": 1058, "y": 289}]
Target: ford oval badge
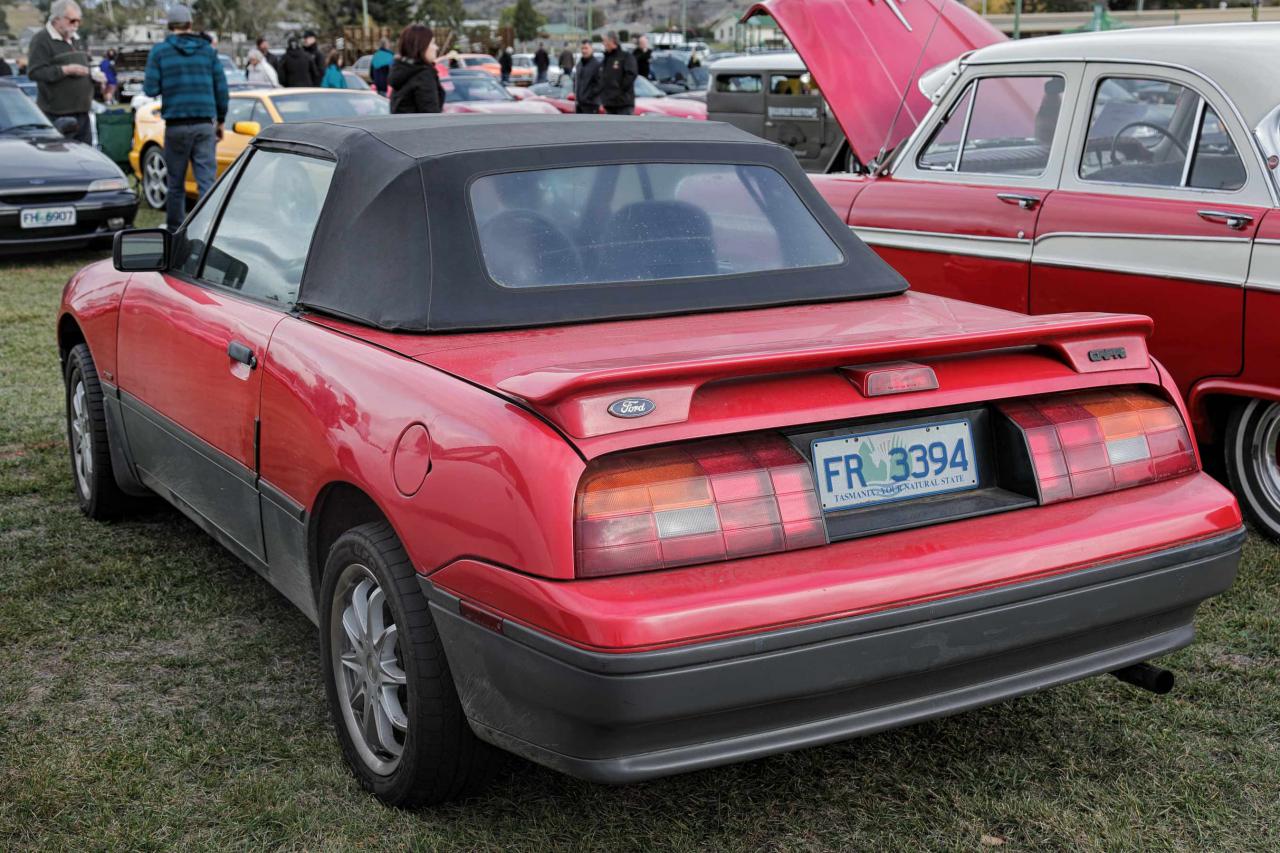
[{"x": 632, "y": 407}]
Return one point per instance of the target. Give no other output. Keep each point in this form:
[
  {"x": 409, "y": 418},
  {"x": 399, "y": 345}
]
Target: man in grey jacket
[{"x": 60, "y": 67}]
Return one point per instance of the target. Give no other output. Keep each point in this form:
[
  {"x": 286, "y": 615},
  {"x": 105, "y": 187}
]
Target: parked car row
[{"x": 248, "y": 112}]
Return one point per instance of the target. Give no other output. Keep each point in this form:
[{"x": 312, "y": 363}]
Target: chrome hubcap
[
  {"x": 155, "y": 178},
  {"x": 81, "y": 438},
  {"x": 369, "y": 668},
  {"x": 1265, "y": 464}
]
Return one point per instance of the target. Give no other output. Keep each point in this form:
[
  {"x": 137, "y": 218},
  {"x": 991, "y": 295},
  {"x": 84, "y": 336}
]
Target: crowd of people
[{"x": 186, "y": 73}]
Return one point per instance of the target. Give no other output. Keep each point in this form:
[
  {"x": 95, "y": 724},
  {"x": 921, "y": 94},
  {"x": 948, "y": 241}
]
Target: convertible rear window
[{"x": 643, "y": 222}]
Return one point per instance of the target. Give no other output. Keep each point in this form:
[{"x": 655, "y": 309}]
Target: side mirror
[
  {"x": 247, "y": 128},
  {"x": 66, "y": 125},
  {"x": 141, "y": 250}
]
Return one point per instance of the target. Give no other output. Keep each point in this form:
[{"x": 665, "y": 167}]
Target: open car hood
[{"x": 866, "y": 54}]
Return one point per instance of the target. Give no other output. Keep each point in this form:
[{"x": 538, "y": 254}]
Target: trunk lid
[
  {"x": 867, "y": 54},
  {"x": 700, "y": 368}
]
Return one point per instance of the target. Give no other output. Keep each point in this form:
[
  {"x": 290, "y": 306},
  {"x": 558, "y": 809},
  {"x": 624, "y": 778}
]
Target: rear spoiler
[{"x": 1089, "y": 343}]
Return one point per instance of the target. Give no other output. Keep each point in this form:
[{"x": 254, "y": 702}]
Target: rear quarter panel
[{"x": 501, "y": 484}]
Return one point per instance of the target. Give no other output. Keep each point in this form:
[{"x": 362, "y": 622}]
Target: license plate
[
  {"x": 47, "y": 217},
  {"x": 868, "y": 468}
]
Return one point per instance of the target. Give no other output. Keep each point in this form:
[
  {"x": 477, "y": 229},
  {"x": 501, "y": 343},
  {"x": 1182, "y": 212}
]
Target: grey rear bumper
[{"x": 627, "y": 717}]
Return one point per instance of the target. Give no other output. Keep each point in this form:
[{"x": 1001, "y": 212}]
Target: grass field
[{"x": 156, "y": 693}]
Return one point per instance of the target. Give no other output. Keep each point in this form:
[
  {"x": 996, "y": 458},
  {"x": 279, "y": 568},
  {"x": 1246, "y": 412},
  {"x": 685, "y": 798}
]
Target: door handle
[
  {"x": 1234, "y": 221},
  {"x": 241, "y": 353},
  {"x": 1026, "y": 202}
]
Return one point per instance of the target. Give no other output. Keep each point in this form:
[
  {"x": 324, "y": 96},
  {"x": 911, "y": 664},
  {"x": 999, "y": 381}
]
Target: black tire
[
  {"x": 1251, "y": 463},
  {"x": 91, "y": 473},
  {"x": 441, "y": 758}
]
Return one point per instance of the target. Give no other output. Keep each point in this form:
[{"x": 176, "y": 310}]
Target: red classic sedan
[
  {"x": 1127, "y": 171},
  {"x": 644, "y": 463}
]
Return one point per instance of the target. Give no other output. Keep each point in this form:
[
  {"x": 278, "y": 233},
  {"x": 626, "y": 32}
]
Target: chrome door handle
[
  {"x": 1235, "y": 221},
  {"x": 1026, "y": 202},
  {"x": 241, "y": 353}
]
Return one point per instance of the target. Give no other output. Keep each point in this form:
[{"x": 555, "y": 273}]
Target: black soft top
[{"x": 396, "y": 247}]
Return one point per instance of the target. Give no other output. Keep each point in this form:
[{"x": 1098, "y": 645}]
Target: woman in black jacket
[{"x": 415, "y": 86}]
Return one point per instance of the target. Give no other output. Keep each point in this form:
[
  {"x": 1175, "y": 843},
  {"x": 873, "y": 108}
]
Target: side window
[
  {"x": 799, "y": 83},
  {"x": 1215, "y": 164},
  {"x": 262, "y": 240},
  {"x": 1160, "y": 134},
  {"x": 943, "y": 150},
  {"x": 261, "y": 115},
  {"x": 238, "y": 109},
  {"x": 740, "y": 84},
  {"x": 192, "y": 238},
  {"x": 1000, "y": 126}
]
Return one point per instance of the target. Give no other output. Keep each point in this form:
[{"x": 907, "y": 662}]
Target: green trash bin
[{"x": 115, "y": 134}]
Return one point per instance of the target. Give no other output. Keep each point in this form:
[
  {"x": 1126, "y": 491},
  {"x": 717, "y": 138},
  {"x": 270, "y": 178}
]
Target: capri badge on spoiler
[
  {"x": 632, "y": 407},
  {"x": 1108, "y": 354}
]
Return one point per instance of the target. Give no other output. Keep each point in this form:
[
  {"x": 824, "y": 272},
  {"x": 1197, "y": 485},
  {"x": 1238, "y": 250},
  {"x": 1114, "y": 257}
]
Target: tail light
[
  {"x": 695, "y": 503},
  {"x": 1092, "y": 442}
]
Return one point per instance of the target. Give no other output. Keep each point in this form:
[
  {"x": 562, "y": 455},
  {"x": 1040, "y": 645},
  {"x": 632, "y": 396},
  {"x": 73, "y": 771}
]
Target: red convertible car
[
  {"x": 1127, "y": 171},
  {"x": 610, "y": 445}
]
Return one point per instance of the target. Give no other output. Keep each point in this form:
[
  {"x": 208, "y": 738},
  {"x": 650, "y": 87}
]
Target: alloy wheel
[
  {"x": 81, "y": 438},
  {"x": 155, "y": 178},
  {"x": 368, "y": 668},
  {"x": 1263, "y": 459}
]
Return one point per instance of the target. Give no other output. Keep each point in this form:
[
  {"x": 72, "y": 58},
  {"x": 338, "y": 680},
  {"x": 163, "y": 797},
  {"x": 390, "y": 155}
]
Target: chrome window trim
[
  {"x": 1197, "y": 132},
  {"x": 964, "y": 130}
]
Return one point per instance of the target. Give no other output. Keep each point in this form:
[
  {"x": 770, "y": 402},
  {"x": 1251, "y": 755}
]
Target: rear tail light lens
[
  {"x": 1092, "y": 442},
  {"x": 695, "y": 503}
]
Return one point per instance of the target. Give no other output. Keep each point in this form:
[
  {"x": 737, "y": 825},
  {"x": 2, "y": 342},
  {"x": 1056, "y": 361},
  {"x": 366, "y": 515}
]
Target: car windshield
[
  {"x": 337, "y": 104},
  {"x": 480, "y": 60},
  {"x": 645, "y": 89},
  {"x": 674, "y": 68},
  {"x": 474, "y": 89},
  {"x": 643, "y": 222},
  {"x": 19, "y": 111}
]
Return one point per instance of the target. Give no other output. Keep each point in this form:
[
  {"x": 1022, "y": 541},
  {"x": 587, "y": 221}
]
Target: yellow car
[{"x": 247, "y": 113}]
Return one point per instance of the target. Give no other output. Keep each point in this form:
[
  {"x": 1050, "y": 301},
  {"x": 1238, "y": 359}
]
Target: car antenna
[{"x": 878, "y": 162}]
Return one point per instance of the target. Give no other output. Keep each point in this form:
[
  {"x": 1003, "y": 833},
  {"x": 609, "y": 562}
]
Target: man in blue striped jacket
[{"x": 185, "y": 73}]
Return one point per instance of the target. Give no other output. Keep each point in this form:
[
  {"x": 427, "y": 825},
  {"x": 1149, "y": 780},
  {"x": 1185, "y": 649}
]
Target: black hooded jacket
[
  {"x": 415, "y": 88},
  {"x": 296, "y": 68}
]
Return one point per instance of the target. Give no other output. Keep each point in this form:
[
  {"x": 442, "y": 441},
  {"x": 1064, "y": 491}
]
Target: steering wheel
[{"x": 1115, "y": 140}]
